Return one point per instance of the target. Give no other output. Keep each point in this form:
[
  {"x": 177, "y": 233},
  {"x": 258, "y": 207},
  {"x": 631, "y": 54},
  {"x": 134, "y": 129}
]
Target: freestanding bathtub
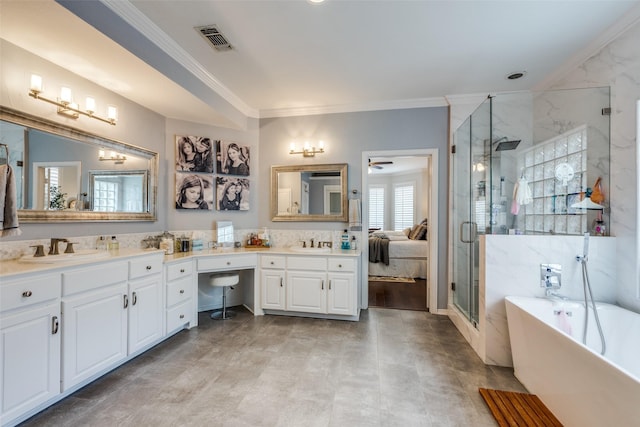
[{"x": 581, "y": 387}]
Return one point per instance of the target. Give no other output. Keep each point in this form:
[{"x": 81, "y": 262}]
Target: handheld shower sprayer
[{"x": 585, "y": 249}]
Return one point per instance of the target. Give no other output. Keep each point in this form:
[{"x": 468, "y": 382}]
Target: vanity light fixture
[
  {"x": 113, "y": 156},
  {"x": 307, "y": 150},
  {"x": 67, "y": 107}
]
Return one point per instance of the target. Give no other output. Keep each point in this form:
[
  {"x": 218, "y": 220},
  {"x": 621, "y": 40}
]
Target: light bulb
[
  {"x": 65, "y": 95},
  {"x": 112, "y": 113},
  {"x": 90, "y": 105},
  {"x": 36, "y": 83},
  {"x": 292, "y": 146},
  {"x": 321, "y": 145},
  {"x": 101, "y": 154}
]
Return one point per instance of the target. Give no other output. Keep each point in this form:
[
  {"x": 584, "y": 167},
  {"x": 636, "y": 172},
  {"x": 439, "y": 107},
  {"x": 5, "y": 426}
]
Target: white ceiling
[{"x": 294, "y": 57}]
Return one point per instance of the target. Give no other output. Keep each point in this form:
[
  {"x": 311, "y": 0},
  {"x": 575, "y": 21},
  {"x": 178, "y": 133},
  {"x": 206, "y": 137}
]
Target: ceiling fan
[{"x": 377, "y": 165}]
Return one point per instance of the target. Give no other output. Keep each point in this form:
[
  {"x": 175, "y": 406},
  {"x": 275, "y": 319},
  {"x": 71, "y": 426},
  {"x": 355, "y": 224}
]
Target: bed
[{"x": 406, "y": 257}]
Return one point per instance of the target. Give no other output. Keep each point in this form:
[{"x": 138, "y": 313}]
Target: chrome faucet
[
  {"x": 325, "y": 244},
  {"x": 554, "y": 295},
  {"x": 53, "y": 249}
]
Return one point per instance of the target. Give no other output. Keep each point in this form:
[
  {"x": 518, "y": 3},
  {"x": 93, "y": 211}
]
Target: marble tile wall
[
  {"x": 618, "y": 65},
  {"x": 279, "y": 239},
  {"x": 510, "y": 265}
]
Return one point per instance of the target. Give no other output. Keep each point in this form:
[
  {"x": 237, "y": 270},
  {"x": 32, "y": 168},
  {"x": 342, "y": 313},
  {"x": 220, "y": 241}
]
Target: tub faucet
[
  {"x": 554, "y": 295},
  {"x": 53, "y": 249}
]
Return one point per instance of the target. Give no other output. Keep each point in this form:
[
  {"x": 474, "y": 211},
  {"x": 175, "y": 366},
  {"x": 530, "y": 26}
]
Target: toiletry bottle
[
  {"x": 101, "y": 244},
  {"x": 354, "y": 243},
  {"x": 345, "y": 240},
  {"x": 167, "y": 243},
  {"x": 114, "y": 245}
]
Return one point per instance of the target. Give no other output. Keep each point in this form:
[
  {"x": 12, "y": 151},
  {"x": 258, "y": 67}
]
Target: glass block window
[{"x": 557, "y": 173}]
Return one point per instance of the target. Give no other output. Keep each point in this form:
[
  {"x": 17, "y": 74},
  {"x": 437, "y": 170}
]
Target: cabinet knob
[
  {"x": 182, "y": 316},
  {"x": 148, "y": 267},
  {"x": 27, "y": 294},
  {"x": 339, "y": 265},
  {"x": 228, "y": 262},
  {"x": 182, "y": 270},
  {"x": 272, "y": 263},
  {"x": 182, "y": 291}
]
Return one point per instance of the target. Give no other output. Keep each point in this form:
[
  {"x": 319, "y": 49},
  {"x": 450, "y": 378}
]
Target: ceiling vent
[{"x": 215, "y": 37}]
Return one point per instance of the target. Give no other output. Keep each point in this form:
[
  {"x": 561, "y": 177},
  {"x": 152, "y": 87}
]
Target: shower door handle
[{"x": 473, "y": 231}]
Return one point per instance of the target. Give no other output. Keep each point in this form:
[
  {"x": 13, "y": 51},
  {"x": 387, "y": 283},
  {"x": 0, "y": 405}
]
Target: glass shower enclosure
[
  {"x": 553, "y": 144},
  {"x": 471, "y": 205}
]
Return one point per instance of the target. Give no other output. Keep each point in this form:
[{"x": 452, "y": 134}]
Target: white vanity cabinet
[
  {"x": 180, "y": 278},
  {"x": 322, "y": 285},
  {"x": 110, "y": 310},
  {"x": 306, "y": 284},
  {"x": 29, "y": 343},
  {"x": 94, "y": 308},
  {"x": 272, "y": 276},
  {"x": 342, "y": 289},
  {"x": 146, "y": 307}
]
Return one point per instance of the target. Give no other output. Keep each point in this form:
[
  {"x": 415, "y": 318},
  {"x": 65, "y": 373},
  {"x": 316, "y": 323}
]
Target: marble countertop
[{"x": 17, "y": 267}]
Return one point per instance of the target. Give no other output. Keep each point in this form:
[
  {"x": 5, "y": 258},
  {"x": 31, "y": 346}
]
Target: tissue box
[{"x": 197, "y": 245}]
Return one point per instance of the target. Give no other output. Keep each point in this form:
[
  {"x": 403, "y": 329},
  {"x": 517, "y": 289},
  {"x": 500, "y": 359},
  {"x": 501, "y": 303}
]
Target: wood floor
[{"x": 404, "y": 296}]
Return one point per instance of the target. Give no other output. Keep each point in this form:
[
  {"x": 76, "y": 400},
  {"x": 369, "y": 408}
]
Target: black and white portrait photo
[
  {"x": 194, "y": 154},
  {"x": 233, "y": 194},
  {"x": 194, "y": 191},
  {"x": 232, "y": 158}
]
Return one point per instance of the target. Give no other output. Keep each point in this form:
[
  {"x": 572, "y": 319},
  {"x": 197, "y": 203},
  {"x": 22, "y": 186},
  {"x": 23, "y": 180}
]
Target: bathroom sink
[
  {"x": 79, "y": 255},
  {"x": 302, "y": 250}
]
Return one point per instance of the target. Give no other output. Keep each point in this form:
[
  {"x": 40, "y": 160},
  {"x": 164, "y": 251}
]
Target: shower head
[{"x": 508, "y": 145}]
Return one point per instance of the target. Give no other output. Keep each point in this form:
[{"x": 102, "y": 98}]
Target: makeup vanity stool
[{"x": 223, "y": 280}]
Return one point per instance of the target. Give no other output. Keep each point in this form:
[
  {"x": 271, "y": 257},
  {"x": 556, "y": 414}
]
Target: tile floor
[{"x": 393, "y": 368}]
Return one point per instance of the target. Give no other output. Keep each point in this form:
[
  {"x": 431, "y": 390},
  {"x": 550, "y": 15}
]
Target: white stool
[{"x": 225, "y": 281}]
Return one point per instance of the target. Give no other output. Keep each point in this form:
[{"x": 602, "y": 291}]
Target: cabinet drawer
[
  {"x": 94, "y": 277},
  {"x": 227, "y": 262},
  {"x": 342, "y": 264},
  {"x": 179, "y": 270},
  {"x": 306, "y": 263},
  {"x": 178, "y": 291},
  {"x": 26, "y": 292},
  {"x": 140, "y": 267},
  {"x": 178, "y": 316},
  {"x": 272, "y": 261}
]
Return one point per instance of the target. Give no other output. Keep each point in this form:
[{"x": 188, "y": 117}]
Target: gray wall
[
  {"x": 346, "y": 136},
  {"x": 136, "y": 125}
]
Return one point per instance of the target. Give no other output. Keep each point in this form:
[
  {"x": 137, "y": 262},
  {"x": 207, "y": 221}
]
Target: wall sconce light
[
  {"x": 113, "y": 156},
  {"x": 307, "y": 150},
  {"x": 67, "y": 107}
]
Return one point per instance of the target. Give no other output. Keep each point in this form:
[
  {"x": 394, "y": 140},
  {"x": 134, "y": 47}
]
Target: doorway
[{"x": 426, "y": 195}]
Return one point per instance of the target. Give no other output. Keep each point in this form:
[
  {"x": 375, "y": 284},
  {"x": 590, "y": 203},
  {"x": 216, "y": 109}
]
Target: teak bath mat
[{"x": 511, "y": 409}]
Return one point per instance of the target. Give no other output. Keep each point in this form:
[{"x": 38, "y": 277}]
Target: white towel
[
  {"x": 8, "y": 203},
  {"x": 354, "y": 213},
  {"x": 521, "y": 195}
]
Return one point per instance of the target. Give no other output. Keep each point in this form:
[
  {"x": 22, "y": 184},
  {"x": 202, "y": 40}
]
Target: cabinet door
[
  {"x": 306, "y": 291},
  {"x": 30, "y": 354},
  {"x": 341, "y": 294},
  {"x": 94, "y": 332},
  {"x": 273, "y": 290},
  {"x": 145, "y": 312}
]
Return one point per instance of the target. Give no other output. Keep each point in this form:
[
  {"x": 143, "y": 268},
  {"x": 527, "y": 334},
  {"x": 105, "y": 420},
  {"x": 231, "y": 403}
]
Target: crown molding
[
  {"x": 631, "y": 18},
  {"x": 354, "y": 108},
  {"x": 130, "y": 14}
]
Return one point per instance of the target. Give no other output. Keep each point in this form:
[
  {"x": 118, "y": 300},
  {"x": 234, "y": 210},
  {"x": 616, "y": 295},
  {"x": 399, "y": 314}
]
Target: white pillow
[{"x": 401, "y": 237}]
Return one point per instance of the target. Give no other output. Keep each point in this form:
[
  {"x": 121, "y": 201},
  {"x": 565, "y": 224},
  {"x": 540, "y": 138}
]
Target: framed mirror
[
  {"x": 309, "y": 193},
  {"x": 65, "y": 174}
]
